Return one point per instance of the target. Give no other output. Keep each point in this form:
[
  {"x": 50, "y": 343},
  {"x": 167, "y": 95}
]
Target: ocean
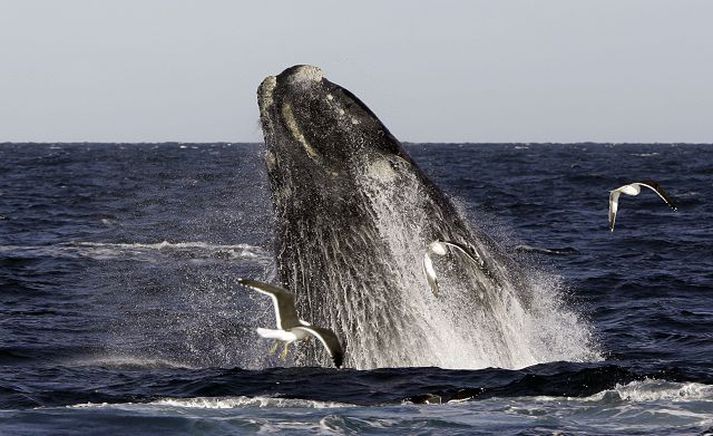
[{"x": 120, "y": 310}]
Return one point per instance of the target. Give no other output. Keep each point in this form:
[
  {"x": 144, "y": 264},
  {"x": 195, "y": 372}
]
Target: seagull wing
[
  {"x": 613, "y": 207},
  {"x": 658, "y": 189},
  {"x": 282, "y": 299},
  {"x": 463, "y": 249},
  {"x": 430, "y": 273},
  {"x": 329, "y": 340}
]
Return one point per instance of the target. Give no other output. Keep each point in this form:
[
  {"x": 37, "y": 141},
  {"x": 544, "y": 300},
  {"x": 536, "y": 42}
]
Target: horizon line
[{"x": 402, "y": 142}]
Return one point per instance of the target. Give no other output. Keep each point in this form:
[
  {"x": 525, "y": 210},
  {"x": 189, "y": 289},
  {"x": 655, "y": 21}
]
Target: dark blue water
[{"x": 119, "y": 310}]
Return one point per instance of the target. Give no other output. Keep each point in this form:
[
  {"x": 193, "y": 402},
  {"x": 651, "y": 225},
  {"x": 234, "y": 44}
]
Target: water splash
[{"x": 504, "y": 314}]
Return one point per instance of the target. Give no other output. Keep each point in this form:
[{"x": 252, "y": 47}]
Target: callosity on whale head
[{"x": 354, "y": 215}]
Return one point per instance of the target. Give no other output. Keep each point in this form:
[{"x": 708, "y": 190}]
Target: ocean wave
[
  {"x": 223, "y": 403},
  {"x": 128, "y": 362},
  {"x": 242, "y": 401},
  {"x": 657, "y": 390},
  {"x": 638, "y": 391},
  {"x": 236, "y": 250},
  {"x": 559, "y": 251},
  {"x": 138, "y": 251}
]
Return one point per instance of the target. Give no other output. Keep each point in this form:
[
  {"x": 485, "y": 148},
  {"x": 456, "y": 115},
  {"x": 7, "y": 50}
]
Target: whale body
[{"x": 354, "y": 215}]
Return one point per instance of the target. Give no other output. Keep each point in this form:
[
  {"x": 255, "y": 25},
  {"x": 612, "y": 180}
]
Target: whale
[{"x": 354, "y": 215}]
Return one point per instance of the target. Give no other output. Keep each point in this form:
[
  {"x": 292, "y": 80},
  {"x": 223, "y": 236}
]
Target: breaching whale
[{"x": 354, "y": 216}]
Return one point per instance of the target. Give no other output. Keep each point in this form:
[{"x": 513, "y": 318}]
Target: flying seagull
[
  {"x": 634, "y": 189},
  {"x": 290, "y": 327},
  {"x": 440, "y": 248}
]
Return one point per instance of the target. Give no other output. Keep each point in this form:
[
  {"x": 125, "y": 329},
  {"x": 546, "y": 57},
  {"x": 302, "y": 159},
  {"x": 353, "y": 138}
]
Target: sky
[{"x": 433, "y": 71}]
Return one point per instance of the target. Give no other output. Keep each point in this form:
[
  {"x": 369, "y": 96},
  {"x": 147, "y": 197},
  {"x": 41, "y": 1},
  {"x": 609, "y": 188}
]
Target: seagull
[
  {"x": 440, "y": 248},
  {"x": 634, "y": 189},
  {"x": 290, "y": 328}
]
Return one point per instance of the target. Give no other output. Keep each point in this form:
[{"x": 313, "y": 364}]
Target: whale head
[{"x": 319, "y": 132}]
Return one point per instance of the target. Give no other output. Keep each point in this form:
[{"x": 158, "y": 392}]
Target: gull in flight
[
  {"x": 440, "y": 248},
  {"x": 290, "y": 328},
  {"x": 634, "y": 189}
]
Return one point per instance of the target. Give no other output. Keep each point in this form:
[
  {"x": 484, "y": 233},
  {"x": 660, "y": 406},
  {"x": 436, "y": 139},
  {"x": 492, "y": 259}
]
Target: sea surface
[{"x": 120, "y": 311}]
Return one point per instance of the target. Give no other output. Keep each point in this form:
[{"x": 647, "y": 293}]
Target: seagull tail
[{"x": 272, "y": 334}]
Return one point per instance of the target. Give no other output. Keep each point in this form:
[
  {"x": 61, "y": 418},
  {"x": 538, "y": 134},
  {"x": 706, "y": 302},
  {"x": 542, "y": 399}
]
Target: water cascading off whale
[{"x": 354, "y": 214}]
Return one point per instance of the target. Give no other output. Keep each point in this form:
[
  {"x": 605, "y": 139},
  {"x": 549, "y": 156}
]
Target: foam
[
  {"x": 221, "y": 403},
  {"x": 242, "y": 401},
  {"x": 128, "y": 362},
  {"x": 648, "y": 390},
  {"x": 141, "y": 251},
  {"x": 638, "y": 391}
]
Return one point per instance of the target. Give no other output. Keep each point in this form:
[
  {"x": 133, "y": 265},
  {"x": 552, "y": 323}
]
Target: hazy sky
[{"x": 478, "y": 71}]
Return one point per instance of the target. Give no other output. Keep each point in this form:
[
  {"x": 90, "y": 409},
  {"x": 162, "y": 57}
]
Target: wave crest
[
  {"x": 222, "y": 403},
  {"x": 139, "y": 251}
]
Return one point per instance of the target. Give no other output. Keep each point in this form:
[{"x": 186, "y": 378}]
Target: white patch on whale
[
  {"x": 296, "y": 132},
  {"x": 266, "y": 89},
  {"x": 306, "y": 74}
]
